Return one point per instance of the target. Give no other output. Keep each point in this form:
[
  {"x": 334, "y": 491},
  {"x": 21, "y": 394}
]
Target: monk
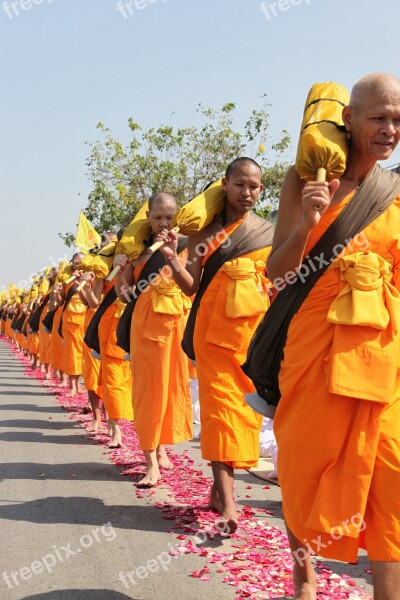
[
  {"x": 115, "y": 374},
  {"x": 73, "y": 324},
  {"x": 338, "y": 421},
  {"x": 228, "y": 314},
  {"x": 161, "y": 397}
]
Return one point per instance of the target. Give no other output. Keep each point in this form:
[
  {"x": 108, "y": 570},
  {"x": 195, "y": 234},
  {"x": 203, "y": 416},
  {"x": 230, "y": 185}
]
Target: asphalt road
[{"x": 71, "y": 527}]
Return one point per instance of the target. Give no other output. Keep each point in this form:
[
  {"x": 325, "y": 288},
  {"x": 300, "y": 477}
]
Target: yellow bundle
[
  {"x": 100, "y": 263},
  {"x": 199, "y": 212},
  {"x": 64, "y": 271},
  {"x": 132, "y": 242},
  {"x": 44, "y": 285},
  {"x": 323, "y": 139},
  {"x": 202, "y": 210}
]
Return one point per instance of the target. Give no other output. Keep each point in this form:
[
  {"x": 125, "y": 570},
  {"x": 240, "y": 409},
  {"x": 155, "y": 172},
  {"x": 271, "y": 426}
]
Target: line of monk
[{"x": 199, "y": 303}]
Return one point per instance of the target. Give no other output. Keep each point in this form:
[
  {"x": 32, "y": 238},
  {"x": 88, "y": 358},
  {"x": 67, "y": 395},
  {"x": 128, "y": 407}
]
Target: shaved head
[
  {"x": 384, "y": 85},
  {"x": 161, "y": 198}
]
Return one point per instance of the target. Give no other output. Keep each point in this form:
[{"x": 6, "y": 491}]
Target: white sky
[{"x": 67, "y": 64}]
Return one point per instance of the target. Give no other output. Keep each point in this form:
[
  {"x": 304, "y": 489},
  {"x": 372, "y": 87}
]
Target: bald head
[
  {"x": 384, "y": 86},
  {"x": 161, "y": 198}
]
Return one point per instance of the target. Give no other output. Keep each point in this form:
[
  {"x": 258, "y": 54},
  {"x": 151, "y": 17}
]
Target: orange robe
[
  {"x": 161, "y": 397},
  {"x": 116, "y": 380},
  {"x": 229, "y": 427},
  {"x": 57, "y": 345},
  {"x": 44, "y": 340},
  {"x": 90, "y": 365},
  {"x": 73, "y": 327},
  {"x": 338, "y": 421}
]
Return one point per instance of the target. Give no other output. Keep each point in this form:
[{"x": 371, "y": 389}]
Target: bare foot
[
  {"x": 151, "y": 478},
  {"x": 116, "y": 441},
  {"x": 163, "y": 460},
  {"x": 229, "y": 521},
  {"x": 63, "y": 384},
  {"x": 94, "y": 426},
  {"x": 214, "y": 501},
  {"x": 304, "y": 590}
]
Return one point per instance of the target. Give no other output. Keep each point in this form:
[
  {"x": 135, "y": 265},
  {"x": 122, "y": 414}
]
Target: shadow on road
[
  {"x": 32, "y": 408},
  {"x": 83, "y": 471},
  {"x": 84, "y": 510},
  {"x": 80, "y": 595}
]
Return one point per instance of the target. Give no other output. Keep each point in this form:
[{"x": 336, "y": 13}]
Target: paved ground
[{"x": 70, "y": 524}]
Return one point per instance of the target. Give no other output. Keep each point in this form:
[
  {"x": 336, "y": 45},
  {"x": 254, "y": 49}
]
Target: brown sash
[
  {"x": 265, "y": 353},
  {"x": 253, "y": 234}
]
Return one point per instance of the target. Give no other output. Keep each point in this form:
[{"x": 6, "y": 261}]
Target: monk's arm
[
  {"x": 124, "y": 279},
  {"x": 186, "y": 272},
  {"x": 297, "y": 217},
  {"x": 91, "y": 295},
  {"x": 56, "y": 297}
]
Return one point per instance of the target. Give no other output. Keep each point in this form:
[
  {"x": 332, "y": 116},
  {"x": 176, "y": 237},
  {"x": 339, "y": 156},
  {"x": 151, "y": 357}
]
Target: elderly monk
[
  {"x": 338, "y": 421},
  {"x": 162, "y": 405},
  {"x": 230, "y": 309}
]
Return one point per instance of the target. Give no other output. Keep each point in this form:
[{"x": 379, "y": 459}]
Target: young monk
[
  {"x": 339, "y": 379},
  {"x": 228, "y": 313},
  {"x": 73, "y": 324},
  {"x": 161, "y": 397}
]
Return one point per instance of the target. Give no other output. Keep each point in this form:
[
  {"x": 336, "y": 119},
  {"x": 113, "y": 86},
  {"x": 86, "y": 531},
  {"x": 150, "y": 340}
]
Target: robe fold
[
  {"x": 57, "y": 345},
  {"x": 44, "y": 340},
  {"x": 90, "y": 365},
  {"x": 161, "y": 396},
  {"x": 73, "y": 325},
  {"x": 338, "y": 421},
  {"x": 230, "y": 310},
  {"x": 115, "y": 373}
]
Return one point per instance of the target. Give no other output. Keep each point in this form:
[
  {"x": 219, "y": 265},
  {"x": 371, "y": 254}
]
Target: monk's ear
[
  {"x": 224, "y": 183},
  {"x": 262, "y": 188},
  {"x": 147, "y": 214},
  {"x": 347, "y": 116}
]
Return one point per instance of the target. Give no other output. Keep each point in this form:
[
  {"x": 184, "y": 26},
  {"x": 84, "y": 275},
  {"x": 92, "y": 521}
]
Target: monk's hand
[
  {"x": 87, "y": 277},
  {"x": 316, "y": 199},
  {"x": 122, "y": 261},
  {"x": 169, "y": 240}
]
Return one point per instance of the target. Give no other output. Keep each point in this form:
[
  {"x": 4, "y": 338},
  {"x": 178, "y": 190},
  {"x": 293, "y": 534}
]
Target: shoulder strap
[
  {"x": 265, "y": 352},
  {"x": 91, "y": 338},
  {"x": 34, "y": 319},
  {"x": 154, "y": 265},
  {"x": 253, "y": 234},
  {"x": 71, "y": 292}
]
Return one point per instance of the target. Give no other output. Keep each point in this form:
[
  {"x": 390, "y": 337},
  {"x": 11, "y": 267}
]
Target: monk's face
[
  {"x": 374, "y": 124},
  {"x": 76, "y": 260},
  {"x": 161, "y": 215},
  {"x": 243, "y": 187}
]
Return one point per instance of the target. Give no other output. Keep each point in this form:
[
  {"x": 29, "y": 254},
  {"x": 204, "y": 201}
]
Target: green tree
[{"x": 181, "y": 161}]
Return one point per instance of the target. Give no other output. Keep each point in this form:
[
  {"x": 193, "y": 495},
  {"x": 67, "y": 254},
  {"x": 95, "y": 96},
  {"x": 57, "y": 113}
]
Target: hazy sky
[{"x": 68, "y": 64}]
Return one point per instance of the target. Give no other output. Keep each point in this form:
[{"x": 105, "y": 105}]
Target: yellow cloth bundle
[{"x": 323, "y": 139}]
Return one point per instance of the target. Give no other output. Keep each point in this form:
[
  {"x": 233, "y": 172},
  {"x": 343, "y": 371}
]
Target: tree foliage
[{"x": 181, "y": 161}]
